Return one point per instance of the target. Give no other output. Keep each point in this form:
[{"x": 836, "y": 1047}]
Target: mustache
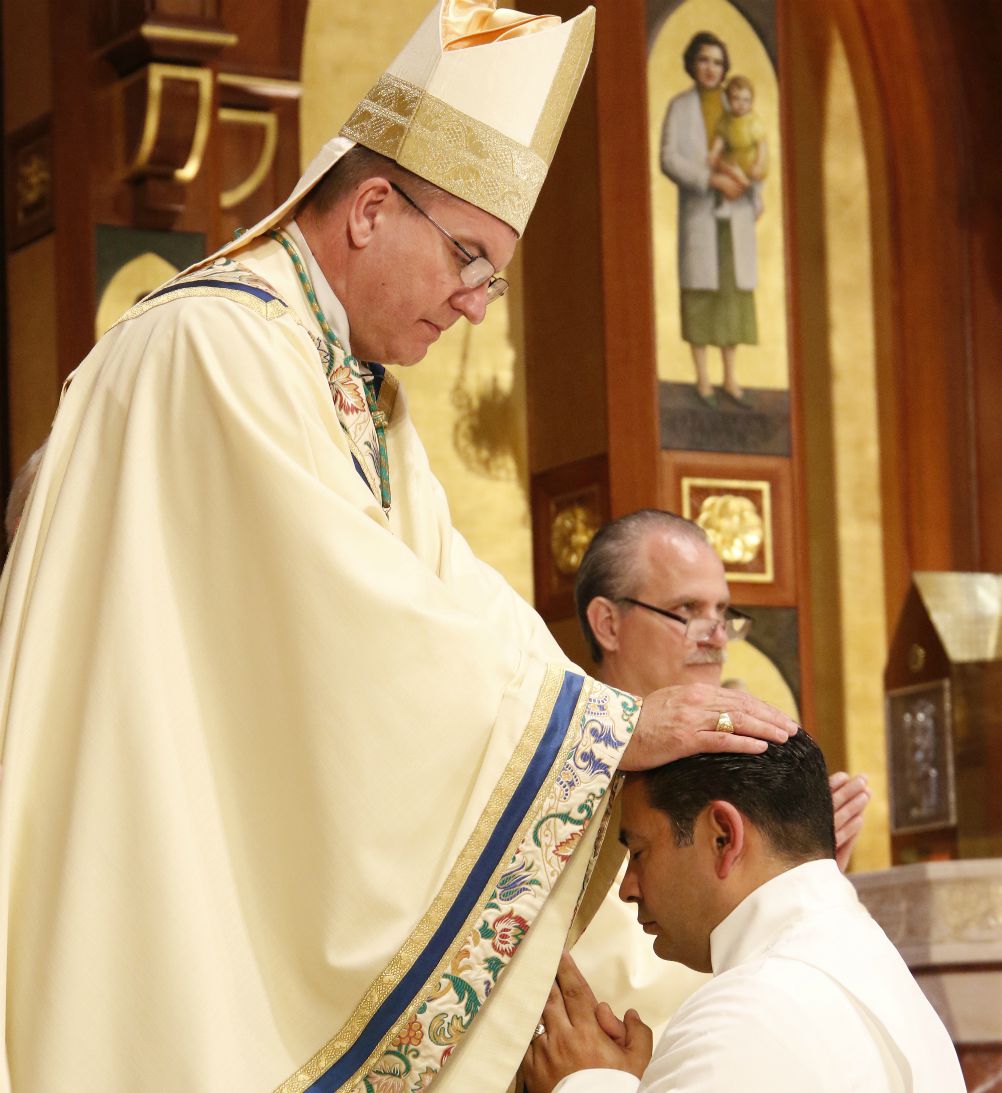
[{"x": 706, "y": 656}]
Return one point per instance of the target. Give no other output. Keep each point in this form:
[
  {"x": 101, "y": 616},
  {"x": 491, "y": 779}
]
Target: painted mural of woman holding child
[{"x": 713, "y": 147}]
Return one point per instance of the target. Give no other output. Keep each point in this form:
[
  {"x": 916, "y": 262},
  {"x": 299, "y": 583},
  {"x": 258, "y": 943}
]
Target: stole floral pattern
[
  {"x": 352, "y": 409},
  {"x": 345, "y": 387},
  {"x": 429, "y": 1033}
]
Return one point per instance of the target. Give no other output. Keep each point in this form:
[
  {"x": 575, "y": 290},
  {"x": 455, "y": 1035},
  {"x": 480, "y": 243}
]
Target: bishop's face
[{"x": 411, "y": 288}]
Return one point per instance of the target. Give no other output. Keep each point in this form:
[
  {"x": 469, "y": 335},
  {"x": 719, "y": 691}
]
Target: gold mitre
[{"x": 476, "y": 101}]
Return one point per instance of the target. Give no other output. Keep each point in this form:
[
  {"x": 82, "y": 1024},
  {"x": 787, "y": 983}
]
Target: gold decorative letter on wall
[
  {"x": 161, "y": 151},
  {"x": 268, "y": 124}
]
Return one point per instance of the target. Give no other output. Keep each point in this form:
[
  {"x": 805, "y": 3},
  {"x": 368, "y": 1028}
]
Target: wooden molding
[{"x": 627, "y": 254}]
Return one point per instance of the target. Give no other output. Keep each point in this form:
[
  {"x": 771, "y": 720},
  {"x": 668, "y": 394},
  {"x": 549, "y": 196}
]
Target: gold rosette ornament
[{"x": 733, "y": 526}]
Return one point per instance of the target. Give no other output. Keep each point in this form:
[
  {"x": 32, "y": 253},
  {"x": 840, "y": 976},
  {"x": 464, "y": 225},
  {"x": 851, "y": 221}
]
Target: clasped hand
[{"x": 579, "y": 1033}]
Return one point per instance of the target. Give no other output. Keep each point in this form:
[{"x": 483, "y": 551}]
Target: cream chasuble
[{"x": 297, "y": 794}]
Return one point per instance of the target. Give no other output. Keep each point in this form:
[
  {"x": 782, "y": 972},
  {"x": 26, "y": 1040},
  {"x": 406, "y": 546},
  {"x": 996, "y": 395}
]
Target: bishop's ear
[{"x": 368, "y": 204}]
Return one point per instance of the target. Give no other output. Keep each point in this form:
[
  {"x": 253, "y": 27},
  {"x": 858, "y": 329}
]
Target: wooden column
[
  {"x": 589, "y": 311},
  {"x": 627, "y": 254}
]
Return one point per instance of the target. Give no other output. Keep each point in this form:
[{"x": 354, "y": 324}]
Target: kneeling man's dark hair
[{"x": 783, "y": 791}]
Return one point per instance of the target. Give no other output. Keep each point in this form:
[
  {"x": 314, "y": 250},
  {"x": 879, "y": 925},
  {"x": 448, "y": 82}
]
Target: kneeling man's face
[{"x": 671, "y": 885}]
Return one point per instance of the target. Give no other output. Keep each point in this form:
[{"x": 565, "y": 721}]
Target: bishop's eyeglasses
[{"x": 477, "y": 269}]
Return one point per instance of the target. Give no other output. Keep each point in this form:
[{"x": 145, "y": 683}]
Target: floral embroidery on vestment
[
  {"x": 432, "y": 1030},
  {"x": 346, "y": 388}
]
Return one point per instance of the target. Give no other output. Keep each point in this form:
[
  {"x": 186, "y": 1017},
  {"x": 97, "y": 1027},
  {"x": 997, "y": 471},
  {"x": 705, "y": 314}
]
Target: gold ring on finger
[{"x": 724, "y": 723}]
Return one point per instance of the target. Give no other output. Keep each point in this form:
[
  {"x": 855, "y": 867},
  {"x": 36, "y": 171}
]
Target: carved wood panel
[{"x": 172, "y": 116}]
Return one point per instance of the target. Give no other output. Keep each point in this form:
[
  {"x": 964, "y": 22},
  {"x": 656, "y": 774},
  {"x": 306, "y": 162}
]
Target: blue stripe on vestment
[
  {"x": 515, "y": 811},
  {"x": 378, "y": 371},
  {"x": 260, "y": 293},
  {"x": 361, "y": 473}
]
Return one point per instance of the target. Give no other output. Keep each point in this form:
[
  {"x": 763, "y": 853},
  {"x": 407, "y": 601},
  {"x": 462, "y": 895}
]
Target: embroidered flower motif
[
  {"x": 426, "y": 1077},
  {"x": 516, "y": 880},
  {"x": 602, "y": 730},
  {"x": 411, "y": 1036},
  {"x": 389, "y": 1075},
  {"x": 446, "y": 1029},
  {"x": 587, "y": 760},
  {"x": 597, "y": 704},
  {"x": 326, "y": 356},
  {"x": 568, "y": 780},
  {"x": 386, "y": 1083},
  {"x": 347, "y": 397},
  {"x": 565, "y": 848},
  {"x": 372, "y": 450},
  {"x": 509, "y": 929},
  {"x": 391, "y": 1064}
]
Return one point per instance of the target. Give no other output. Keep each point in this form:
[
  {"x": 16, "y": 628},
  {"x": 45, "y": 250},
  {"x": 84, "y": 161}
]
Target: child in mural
[
  {"x": 717, "y": 210},
  {"x": 739, "y": 146}
]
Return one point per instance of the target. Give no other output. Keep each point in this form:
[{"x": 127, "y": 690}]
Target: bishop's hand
[{"x": 680, "y": 721}]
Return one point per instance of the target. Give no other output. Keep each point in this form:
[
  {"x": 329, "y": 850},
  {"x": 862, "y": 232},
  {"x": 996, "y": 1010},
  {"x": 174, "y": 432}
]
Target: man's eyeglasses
[
  {"x": 736, "y": 625},
  {"x": 478, "y": 270}
]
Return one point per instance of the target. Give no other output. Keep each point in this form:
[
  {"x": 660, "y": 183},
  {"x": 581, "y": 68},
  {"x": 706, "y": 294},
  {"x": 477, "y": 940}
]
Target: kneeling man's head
[{"x": 705, "y": 832}]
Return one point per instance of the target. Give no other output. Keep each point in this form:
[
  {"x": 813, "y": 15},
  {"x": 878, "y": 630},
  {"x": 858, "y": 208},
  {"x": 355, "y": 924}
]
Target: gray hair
[{"x": 610, "y": 566}]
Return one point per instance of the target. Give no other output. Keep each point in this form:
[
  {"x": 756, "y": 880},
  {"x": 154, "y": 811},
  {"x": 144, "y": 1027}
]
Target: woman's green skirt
[{"x": 725, "y": 316}]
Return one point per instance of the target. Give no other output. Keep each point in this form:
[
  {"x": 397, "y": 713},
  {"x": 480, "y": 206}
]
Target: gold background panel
[{"x": 750, "y": 668}]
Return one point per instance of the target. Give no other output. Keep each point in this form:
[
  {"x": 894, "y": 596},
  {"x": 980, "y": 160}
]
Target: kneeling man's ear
[{"x": 725, "y": 826}]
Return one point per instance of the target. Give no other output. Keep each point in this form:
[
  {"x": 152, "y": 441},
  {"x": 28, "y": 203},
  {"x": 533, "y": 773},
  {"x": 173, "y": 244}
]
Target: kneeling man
[{"x": 732, "y": 871}]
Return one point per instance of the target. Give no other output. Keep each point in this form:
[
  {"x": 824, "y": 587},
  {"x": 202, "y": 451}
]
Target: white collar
[
  {"x": 765, "y": 914},
  {"x": 330, "y": 305}
]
